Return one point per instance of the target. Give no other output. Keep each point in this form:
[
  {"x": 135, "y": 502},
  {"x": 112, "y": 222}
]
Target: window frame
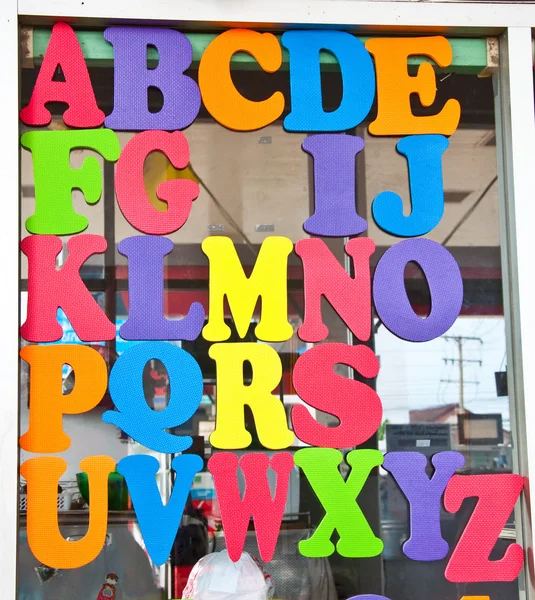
[{"x": 515, "y": 131}]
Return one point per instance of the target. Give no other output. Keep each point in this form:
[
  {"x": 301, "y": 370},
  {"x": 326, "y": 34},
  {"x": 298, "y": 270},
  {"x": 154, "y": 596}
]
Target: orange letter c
[{"x": 220, "y": 96}]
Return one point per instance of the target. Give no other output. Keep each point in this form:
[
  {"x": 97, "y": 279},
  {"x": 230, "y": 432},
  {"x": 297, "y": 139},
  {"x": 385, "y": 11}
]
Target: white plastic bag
[{"x": 216, "y": 577}]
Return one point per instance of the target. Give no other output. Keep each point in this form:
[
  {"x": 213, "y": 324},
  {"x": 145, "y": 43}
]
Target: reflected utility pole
[{"x": 460, "y": 340}]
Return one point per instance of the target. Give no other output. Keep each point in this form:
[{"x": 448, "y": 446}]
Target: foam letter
[
  {"x": 220, "y": 96},
  {"x": 371, "y": 597},
  {"x": 395, "y": 86},
  {"x": 134, "y": 416},
  {"x": 236, "y": 512},
  {"x": 349, "y": 296},
  {"x": 55, "y": 179},
  {"x": 335, "y": 214},
  {"x": 354, "y": 403},
  {"x": 44, "y": 537},
  {"x": 268, "y": 281},
  {"x": 445, "y": 286},
  {"x": 497, "y": 495},
  {"x": 425, "y": 496},
  {"x": 146, "y": 319},
  {"x": 338, "y": 498},
  {"x": 50, "y": 288},
  {"x": 233, "y": 395},
  {"x": 424, "y": 159},
  {"x": 358, "y": 80},
  {"x": 158, "y": 523},
  {"x": 181, "y": 96},
  {"x": 130, "y": 189},
  {"x": 47, "y": 401},
  {"x": 76, "y": 91}
]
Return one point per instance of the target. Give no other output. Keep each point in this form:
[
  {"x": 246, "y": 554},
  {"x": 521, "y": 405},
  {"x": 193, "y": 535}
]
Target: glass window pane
[{"x": 446, "y": 394}]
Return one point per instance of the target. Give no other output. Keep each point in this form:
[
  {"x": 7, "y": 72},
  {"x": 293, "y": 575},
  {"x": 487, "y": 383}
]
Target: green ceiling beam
[{"x": 469, "y": 55}]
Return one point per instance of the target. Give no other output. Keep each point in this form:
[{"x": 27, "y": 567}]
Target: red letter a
[{"x": 63, "y": 51}]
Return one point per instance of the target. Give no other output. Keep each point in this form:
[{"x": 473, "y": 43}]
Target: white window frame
[{"x": 515, "y": 125}]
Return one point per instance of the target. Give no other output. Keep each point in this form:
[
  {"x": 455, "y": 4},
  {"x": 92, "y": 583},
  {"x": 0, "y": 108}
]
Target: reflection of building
[
  {"x": 447, "y": 413},
  {"x": 478, "y": 457}
]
